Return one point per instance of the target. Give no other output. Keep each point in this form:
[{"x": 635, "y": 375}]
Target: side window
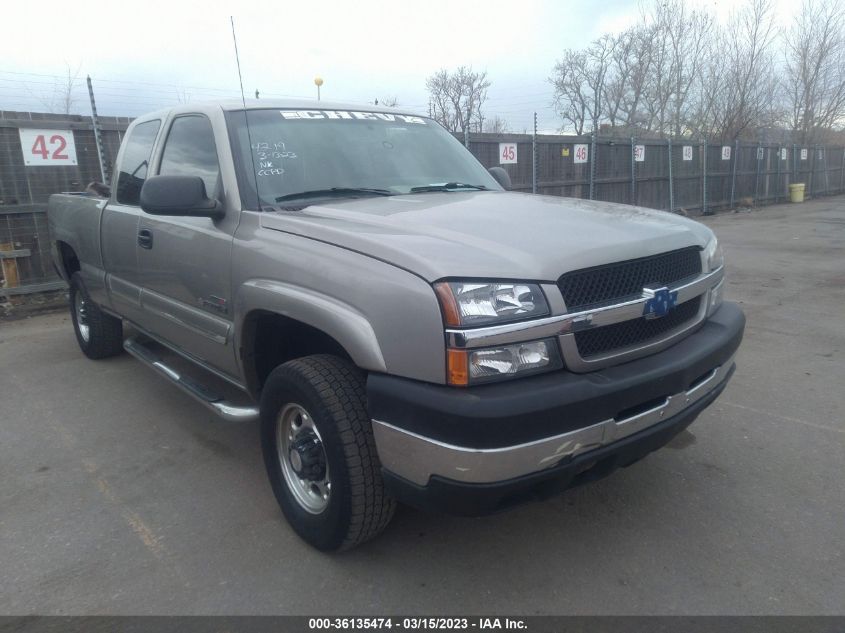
[
  {"x": 190, "y": 151},
  {"x": 135, "y": 162}
]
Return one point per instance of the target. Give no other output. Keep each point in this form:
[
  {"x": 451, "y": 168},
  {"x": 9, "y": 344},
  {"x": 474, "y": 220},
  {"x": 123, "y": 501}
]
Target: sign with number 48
[
  {"x": 47, "y": 147},
  {"x": 687, "y": 152},
  {"x": 507, "y": 153},
  {"x": 639, "y": 153}
]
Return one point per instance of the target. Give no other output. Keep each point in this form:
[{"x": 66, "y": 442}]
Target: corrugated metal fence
[{"x": 675, "y": 175}]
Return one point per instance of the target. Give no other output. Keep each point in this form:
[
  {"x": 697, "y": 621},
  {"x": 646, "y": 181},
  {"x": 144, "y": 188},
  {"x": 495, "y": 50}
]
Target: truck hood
[{"x": 486, "y": 234}]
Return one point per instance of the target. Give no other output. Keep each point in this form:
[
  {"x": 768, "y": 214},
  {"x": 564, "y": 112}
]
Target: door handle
[{"x": 145, "y": 238}]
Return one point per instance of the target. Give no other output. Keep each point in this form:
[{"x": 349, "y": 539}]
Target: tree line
[{"x": 677, "y": 72}]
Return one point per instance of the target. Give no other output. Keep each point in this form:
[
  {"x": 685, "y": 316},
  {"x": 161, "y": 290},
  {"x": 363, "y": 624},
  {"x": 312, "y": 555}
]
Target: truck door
[
  {"x": 119, "y": 226},
  {"x": 184, "y": 262}
]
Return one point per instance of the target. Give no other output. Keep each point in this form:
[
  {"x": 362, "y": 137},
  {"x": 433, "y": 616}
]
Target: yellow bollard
[{"x": 796, "y": 192}]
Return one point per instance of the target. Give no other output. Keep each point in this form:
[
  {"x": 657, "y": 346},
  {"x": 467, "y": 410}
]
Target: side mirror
[
  {"x": 178, "y": 195},
  {"x": 501, "y": 177}
]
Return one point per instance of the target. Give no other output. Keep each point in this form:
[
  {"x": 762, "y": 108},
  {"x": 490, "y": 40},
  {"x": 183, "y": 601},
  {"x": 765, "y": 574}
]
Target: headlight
[
  {"x": 469, "y": 303},
  {"x": 715, "y": 255},
  {"x": 469, "y": 367}
]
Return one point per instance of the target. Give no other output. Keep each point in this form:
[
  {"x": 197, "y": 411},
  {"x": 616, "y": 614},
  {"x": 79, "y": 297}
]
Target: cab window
[{"x": 135, "y": 162}]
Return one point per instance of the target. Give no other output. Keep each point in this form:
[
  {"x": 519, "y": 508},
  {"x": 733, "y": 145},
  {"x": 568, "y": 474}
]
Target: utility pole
[
  {"x": 98, "y": 135},
  {"x": 534, "y": 157},
  {"x": 256, "y": 93}
]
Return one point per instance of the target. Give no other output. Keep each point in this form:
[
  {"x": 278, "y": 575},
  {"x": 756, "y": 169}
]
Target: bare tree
[
  {"x": 497, "y": 125},
  {"x": 740, "y": 73},
  {"x": 815, "y": 70},
  {"x": 579, "y": 82},
  {"x": 679, "y": 40},
  {"x": 457, "y": 97},
  {"x": 571, "y": 92},
  {"x": 183, "y": 96},
  {"x": 630, "y": 64},
  {"x": 61, "y": 98}
]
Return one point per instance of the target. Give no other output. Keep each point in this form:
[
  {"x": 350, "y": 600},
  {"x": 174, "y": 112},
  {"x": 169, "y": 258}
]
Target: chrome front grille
[
  {"x": 610, "y": 329},
  {"x": 602, "y": 340},
  {"x": 620, "y": 281}
]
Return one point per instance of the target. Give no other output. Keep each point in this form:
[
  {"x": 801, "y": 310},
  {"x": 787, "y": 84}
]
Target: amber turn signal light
[
  {"x": 457, "y": 367},
  {"x": 448, "y": 304}
]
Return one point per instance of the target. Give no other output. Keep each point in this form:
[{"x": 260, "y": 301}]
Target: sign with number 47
[
  {"x": 507, "y": 153},
  {"x": 47, "y": 147}
]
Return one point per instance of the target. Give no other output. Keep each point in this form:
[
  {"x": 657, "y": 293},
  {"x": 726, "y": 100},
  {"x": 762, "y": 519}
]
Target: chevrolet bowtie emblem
[{"x": 659, "y": 301}]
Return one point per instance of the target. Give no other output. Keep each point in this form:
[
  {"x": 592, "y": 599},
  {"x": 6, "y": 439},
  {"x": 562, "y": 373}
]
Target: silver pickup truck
[{"x": 404, "y": 328}]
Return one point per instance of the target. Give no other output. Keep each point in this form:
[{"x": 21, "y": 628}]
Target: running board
[{"x": 213, "y": 401}]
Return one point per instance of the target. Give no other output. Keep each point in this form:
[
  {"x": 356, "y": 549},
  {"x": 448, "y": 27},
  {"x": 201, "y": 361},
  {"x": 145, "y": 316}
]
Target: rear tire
[
  {"x": 99, "y": 335},
  {"x": 320, "y": 453}
]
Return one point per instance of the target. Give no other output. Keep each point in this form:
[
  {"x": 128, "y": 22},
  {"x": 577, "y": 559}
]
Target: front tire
[
  {"x": 320, "y": 453},
  {"x": 99, "y": 335}
]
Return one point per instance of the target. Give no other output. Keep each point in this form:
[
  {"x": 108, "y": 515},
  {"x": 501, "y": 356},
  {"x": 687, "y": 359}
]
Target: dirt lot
[{"x": 118, "y": 494}]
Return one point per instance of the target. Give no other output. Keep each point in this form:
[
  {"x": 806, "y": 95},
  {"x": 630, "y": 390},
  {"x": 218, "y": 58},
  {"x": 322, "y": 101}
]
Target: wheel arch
[
  {"x": 277, "y": 322},
  {"x": 66, "y": 260}
]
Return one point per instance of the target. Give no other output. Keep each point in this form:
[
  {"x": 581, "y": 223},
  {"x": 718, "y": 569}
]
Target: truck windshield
[{"x": 345, "y": 153}]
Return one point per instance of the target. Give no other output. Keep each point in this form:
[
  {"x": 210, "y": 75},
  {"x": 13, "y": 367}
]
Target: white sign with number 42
[
  {"x": 47, "y": 147},
  {"x": 507, "y": 153}
]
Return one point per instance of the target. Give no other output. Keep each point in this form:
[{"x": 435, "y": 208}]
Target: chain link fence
[{"x": 679, "y": 175}]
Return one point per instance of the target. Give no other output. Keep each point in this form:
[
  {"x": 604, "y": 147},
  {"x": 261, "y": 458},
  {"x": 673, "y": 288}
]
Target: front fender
[{"x": 341, "y": 321}]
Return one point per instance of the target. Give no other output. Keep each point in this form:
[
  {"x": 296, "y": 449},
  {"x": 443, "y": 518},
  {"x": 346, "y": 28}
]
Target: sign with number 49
[
  {"x": 47, "y": 147},
  {"x": 507, "y": 153}
]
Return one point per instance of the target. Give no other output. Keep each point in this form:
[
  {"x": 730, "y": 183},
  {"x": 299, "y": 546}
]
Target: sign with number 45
[
  {"x": 507, "y": 153},
  {"x": 47, "y": 147}
]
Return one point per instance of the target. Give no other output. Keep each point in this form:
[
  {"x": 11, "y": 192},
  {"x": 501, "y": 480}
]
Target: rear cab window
[{"x": 135, "y": 162}]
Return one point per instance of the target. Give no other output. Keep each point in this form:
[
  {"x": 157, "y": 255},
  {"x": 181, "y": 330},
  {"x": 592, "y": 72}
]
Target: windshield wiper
[
  {"x": 449, "y": 186},
  {"x": 335, "y": 192}
]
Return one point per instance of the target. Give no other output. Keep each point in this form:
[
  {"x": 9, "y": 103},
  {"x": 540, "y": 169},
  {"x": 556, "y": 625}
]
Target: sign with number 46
[
  {"x": 47, "y": 147},
  {"x": 507, "y": 153},
  {"x": 582, "y": 152}
]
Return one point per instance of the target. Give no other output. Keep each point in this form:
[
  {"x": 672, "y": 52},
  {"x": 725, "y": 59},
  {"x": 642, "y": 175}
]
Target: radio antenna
[{"x": 246, "y": 115}]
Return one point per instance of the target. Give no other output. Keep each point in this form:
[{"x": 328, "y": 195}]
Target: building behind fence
[{"x": 687, "y": 176}]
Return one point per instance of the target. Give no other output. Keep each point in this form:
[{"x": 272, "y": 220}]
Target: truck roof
[{"x": 263, "y": 104}]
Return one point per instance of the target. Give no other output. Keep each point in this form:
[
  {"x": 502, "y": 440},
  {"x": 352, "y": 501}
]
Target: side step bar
[{"x": 215, "y": 402}]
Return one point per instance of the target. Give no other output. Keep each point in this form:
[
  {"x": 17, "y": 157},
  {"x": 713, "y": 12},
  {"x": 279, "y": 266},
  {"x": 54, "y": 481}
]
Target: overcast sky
[{"x": 148, "y": 54}]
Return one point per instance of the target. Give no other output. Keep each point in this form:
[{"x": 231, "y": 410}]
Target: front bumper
[{"x": 472, "y": 451}]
